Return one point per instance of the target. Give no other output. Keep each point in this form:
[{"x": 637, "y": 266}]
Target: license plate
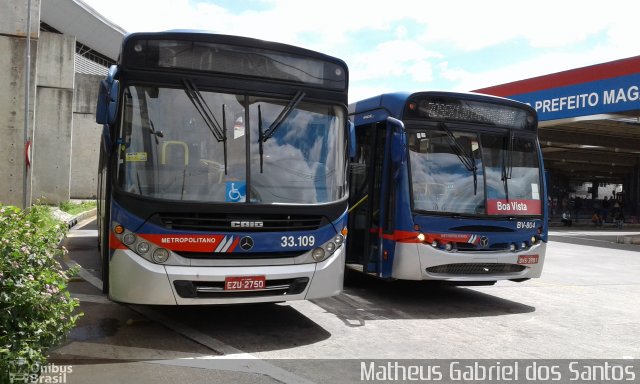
[
  {"x": 528, "y": 259},
  {"x": 244, "y": 283}
]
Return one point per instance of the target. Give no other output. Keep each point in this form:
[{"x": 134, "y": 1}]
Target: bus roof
[{"x": 212, "y": 37}]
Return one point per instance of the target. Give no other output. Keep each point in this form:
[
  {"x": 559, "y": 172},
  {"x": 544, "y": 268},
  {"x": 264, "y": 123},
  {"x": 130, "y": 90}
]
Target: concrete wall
[
  {"x": 13, "y": 17},
  {"x": 52, "y": 145},
  {"x": 86, "y": 137},
  {"x": 13, "y": 47},
  {"x": 60, "y": 122},
  {"x": 54, "y": 118},
  {"x": 86, "y": 95},
  {"x": 56, "y": 60}
]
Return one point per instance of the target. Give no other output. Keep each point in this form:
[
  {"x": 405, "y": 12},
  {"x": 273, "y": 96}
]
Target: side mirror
[
  {"x": 352, "y": 140},
  {"x": 107, "y": 106},
  {"x": 398, "y": 140},
  {"x": 113, "y": 101}
]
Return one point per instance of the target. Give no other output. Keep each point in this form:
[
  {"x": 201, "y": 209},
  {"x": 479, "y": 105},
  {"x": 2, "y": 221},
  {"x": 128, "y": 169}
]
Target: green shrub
[{"x": 36, "y": 310}]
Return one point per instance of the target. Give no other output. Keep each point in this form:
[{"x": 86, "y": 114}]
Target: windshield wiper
[
  {"x": 220, "y": 134},
  {"x": 465, "y": 158},
  {"x": 203, "y": 108},
  {"x": 507, "y": 162},
  {"x": 260, "y": 150},
  {"x": 224, "y": 136},
  {"x": 286, "y": 111}
]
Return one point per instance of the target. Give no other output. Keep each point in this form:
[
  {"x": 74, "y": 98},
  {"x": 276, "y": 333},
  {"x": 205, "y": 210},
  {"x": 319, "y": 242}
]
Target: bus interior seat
[{"x": 174, "y": 153}]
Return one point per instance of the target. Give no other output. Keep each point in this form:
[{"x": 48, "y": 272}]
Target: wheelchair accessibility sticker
[{"x": 236, "y": 191}]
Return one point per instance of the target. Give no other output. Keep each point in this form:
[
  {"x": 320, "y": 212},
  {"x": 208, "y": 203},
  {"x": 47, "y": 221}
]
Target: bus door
[{"x": 371, "y": 197}]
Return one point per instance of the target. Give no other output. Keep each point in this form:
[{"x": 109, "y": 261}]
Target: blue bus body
[
  {"x": 446, "y": 186},
  {"x": 222, "y": 173}
]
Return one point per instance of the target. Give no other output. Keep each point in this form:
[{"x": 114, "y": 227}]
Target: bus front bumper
[
  {"x": 423, "y": 262},
  {"x": 135, "y": 280}
]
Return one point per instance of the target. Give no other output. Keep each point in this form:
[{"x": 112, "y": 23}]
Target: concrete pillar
[
  {"x": 54, "y": 118},
  {"x": 52, "y": 145},
  {"x": 15, "y": 186},
  {"x": 56, "y": 58},
  {"x": 86, "y": 137},
  {"x": 14, "y": 15}
]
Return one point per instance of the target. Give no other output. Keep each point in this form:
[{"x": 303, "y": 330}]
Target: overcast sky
[{"x": 399, "y": 45}]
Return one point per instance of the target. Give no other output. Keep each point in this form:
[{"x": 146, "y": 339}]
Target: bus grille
[
  {"x": 497, "y": 247},
  {"x": 476, "y": 269},
  {"x": 215, "y": 289},
  {"x": 223, "y": 222}
]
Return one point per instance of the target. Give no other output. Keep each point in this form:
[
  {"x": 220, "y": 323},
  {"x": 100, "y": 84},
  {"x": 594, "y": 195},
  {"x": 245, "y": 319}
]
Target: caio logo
[{"x": 247, "y": 224}]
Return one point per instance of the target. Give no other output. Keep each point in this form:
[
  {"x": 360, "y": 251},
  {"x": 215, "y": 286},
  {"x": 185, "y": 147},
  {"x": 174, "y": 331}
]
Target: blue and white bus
[
  {"x": 446, "y": 186},
  {"x": 223, "y": 171}
]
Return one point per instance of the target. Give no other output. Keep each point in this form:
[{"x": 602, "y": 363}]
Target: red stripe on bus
[
  {"x": 399, "y": 236},
  {"x": 114, "y": 243},
  {"x": 233, "y": 246},
  {"x": 186, "y": 243},
  {"x": 412, "y": 237}
]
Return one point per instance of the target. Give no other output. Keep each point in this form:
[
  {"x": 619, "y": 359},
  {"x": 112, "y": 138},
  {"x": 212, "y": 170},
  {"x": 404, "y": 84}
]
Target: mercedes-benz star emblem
[
  {"x": 484, "y": 241},
  {"x": 246, "y": 243}
]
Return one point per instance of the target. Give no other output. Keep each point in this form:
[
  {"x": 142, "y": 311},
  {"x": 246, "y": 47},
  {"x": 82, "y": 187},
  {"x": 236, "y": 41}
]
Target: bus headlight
[
  {"x": 129, "y": 239},
  {"x": 318, "y": 254},
  {"x": 147, "y": 250},
  {"x": 327, "y": 249},
  {"x": 142, "y": 247},
  {"x": 512, "y": 247},
  {"x": 160, "y": 255}
]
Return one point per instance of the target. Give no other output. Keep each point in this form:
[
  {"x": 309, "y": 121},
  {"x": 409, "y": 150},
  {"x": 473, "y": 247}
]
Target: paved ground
[{"x": 585, "y": 306}]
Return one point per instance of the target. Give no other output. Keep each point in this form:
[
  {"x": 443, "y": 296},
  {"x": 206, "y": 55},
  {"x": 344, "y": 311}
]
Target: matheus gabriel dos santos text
[{"x": 501, "y": 371}]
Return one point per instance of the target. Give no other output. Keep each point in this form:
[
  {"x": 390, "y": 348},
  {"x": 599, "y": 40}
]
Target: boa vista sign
[{"x": 513, "y": 207}]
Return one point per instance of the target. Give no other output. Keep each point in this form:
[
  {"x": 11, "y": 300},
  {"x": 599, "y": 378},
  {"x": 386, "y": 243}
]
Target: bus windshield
[
  {"x": 181, "y": 144},
  {"x": 507, "y": 180}
]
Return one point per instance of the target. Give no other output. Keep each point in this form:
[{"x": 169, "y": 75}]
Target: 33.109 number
[{"x": 299, "y": 241}]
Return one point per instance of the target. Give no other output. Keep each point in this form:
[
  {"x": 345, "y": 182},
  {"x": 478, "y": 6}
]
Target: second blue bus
[{"x": 446, "y": 186}]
